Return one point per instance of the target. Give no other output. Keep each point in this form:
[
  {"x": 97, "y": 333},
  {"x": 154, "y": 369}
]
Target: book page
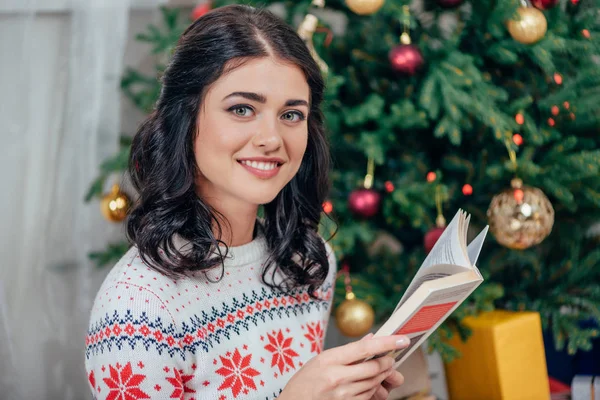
[
  {"x": 425, "y": 275},
  {"x": 447, "y": 250},
  {"x": 449, "y": 247},
  {"x": 474, "y": 248}
]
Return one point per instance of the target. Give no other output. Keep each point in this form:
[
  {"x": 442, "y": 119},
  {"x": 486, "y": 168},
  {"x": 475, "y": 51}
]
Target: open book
[{"x": 445, "y": 279}]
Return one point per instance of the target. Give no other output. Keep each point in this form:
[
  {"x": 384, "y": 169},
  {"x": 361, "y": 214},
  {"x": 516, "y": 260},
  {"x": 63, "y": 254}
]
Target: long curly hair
[{"x": 163, "y": 168}]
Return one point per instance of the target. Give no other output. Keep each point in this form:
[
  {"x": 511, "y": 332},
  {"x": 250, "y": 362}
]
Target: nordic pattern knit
[{"x": 151, "y": 337}]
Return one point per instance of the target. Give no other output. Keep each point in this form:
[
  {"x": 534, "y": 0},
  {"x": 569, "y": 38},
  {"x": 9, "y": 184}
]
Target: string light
[
  {"x": 467, "y": 189},
  {"x": 431, "y": 176},
  {"x": 327, "y": 206},
  {"x": 558, "y": 78},
  {"x": 555, "y": 110},
  {"x": 572, "y": 116},
  {"x": 389, "y": 186},
  {"x": 520, "y": 119},
  {"x": 566, "y": 105},
  {"x": 551, "y": 122},
  {"x": 517, "y": 139},
  {"x": 586, "y": 34}
]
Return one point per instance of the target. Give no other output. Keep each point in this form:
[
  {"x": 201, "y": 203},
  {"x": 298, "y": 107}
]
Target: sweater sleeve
[{"x": 133, "y": 350}]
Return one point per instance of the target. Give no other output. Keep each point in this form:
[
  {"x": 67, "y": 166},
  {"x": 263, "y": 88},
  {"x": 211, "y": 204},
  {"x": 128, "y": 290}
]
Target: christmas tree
[{"x": 487, "y": 105}]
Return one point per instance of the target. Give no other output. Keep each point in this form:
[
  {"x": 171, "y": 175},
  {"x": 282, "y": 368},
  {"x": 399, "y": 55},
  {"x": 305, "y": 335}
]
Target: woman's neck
[{"x": 239, "y": 225}]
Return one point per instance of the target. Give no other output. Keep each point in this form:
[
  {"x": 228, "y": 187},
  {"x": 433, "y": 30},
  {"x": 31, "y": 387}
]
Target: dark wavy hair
[{"x": 163, "y": 168}]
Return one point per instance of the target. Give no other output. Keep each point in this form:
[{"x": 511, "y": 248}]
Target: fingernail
[{"x": 402, "y": 342}]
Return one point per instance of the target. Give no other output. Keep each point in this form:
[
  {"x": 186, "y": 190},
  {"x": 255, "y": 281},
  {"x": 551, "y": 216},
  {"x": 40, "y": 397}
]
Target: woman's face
[{"x": 252, "y": 132}]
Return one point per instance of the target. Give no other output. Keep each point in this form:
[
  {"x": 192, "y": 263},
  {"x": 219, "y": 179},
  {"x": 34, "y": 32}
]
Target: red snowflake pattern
[
  {"x": 179, "y": 382},
  {"x": 124, "y": 385},
  {"x": 315, "y": 336},
  {"x": 282, "y": 353},
  {"x": 92, "y": 380},
  {"x": 237, "y": 372}
]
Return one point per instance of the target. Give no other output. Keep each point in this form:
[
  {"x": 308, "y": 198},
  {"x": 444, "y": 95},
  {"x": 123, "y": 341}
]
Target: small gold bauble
[
  {"x": 531, "y": 26},
  {"x": 520, "y": 217},
  {"x": 364, "y": 7},
  {"x": 306, "y": 31},
  {"x": 114, "y": 205},
  {"x": 354, "y": 317}
]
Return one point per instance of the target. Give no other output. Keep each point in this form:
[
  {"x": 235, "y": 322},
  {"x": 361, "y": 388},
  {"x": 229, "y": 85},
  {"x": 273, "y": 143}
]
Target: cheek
[
  {"x": 296, "y": 149},
  {"x": 217, "y": 142}
]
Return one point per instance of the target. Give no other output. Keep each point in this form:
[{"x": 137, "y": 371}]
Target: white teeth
[{"x": 264, "y": 166}]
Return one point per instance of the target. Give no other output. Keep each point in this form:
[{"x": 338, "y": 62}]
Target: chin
[{"x": 259, "y": 197}]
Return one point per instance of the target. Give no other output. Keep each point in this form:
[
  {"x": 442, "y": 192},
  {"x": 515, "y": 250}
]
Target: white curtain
[{"x": 59, "y": 118}]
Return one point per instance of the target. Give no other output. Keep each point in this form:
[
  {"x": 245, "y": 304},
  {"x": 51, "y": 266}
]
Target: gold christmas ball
[
  {"x": 354, "y": 317},
  {"x": 364, "y": 7},
  {"x": 531, "y": 26},
  {"x": 114, "y": 205},
  {"x": 520, "y": 217}
]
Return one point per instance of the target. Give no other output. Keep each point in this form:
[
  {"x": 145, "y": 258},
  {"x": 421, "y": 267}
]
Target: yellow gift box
[{"x": 504, "y": 359}]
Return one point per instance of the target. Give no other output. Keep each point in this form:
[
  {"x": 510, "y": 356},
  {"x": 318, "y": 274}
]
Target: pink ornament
[
  {"x": 406, "y": 59},
  {"x": 432, "y": 237},
  {"x": 449, "y": 3},
  {"x": 544, "y": 4},
  {"x": 364, "y": 202}
]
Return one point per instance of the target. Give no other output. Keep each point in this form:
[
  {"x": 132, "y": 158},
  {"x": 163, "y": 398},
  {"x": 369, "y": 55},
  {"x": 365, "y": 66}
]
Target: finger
[
  {"x": 368, "y": 369},
  {"x": 394, "y": 380},
  {"x": 362, "y": 349},
  {"x": 367, "y": 384},
  {"x": 369, "y": 336},
  {"x": 368, "y": 395},
  {"x": 381, "y": 393}
]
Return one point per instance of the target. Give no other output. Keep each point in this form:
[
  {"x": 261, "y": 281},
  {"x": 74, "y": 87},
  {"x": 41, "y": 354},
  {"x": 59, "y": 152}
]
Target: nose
[{"x": 268, "y": 137}]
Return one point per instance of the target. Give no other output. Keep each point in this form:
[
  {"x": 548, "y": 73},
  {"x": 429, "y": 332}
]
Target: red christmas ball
[
  {"x": 406, "y": 58},
  {"x": 432, "y": 237},
  {"x": 364, "y": 202},
  {"x": 200, "y": 10},
  {"x": 450, "y": 3},
  {"x": 544, "y": 4}
]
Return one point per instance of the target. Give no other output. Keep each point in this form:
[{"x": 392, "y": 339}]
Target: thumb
[{"x": 369, "y": 336}]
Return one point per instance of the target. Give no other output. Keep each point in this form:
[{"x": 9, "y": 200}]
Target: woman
[{"x": 211, "y": 303}]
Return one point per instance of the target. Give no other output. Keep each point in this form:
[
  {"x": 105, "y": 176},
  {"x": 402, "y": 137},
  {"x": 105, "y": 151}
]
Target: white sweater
[{"x": 151, "y": 337}]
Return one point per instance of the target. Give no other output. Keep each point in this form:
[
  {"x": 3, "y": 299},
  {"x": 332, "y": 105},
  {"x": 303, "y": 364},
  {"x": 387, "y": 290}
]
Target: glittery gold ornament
[
  {"x": 305, "y": 31},
  {"x": 114, "y": 205},
  {"x": 520, "y": 217},
  {"x": 364, "y": 7},
  {"x": 354, "y": 317},
  {"x": 531, "y": 26}
]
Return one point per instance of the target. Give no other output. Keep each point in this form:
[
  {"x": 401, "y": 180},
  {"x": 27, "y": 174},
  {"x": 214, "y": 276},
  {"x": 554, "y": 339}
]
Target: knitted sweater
[{"x": 201, "y": 337}]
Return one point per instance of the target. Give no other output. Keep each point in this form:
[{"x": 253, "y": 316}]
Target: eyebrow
[{"x": 262, "y": 99}]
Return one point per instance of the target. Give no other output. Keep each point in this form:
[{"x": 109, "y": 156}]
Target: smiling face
[{"x": 251, "y": 134}]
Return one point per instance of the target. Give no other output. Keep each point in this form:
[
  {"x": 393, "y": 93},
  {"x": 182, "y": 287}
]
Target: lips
[{"x": 263, "y": 168}]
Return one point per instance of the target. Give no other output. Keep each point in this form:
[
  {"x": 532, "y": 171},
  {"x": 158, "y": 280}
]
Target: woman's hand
[
  {"x": 338, "y": 373},
  {"x": 393, "y": 381}
]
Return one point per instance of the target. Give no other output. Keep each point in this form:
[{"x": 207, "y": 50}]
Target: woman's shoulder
[
  {"x": 332, "y": 260},
  {"x": 130, "y": 309},
  {"x": 132, "y": 286},
  {"x": 328, "y": 248},
  {"x": 132, "y": 270}
]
